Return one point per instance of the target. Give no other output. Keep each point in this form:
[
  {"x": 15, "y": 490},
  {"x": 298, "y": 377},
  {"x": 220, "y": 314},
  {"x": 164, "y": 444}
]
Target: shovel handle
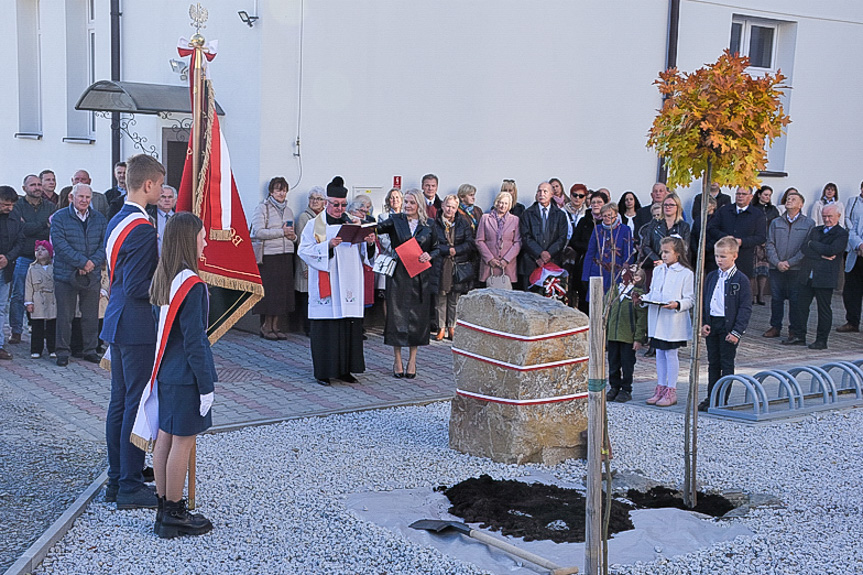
[{"x": 527, "y": 555}]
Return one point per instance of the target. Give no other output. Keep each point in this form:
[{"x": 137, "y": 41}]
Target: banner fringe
[
  {"x": 145, "y": 445},
  {"x": 256, "y": 292}
]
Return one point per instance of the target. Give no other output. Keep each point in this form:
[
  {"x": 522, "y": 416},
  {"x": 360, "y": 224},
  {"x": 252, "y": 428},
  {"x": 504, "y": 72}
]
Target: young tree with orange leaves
[{"x": 715, "y": 124}]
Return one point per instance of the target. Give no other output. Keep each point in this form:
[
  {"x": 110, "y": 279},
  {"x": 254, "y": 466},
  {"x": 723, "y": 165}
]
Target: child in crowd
[
  {"x": 626, "y": 331},
  {"x": 40, "y": 302},
  {"x": 668, "y": 322},
  {"x": 185, "y": 371},
  {"x": 726, "y": 311}
]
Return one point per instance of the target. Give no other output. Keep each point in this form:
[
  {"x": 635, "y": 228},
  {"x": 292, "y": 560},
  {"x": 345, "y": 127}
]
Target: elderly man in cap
[{"x": 335, "y": 290}]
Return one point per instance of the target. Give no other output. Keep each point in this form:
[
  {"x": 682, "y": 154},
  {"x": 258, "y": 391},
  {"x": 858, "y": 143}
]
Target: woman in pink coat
[{"x": 498, "y": 241}]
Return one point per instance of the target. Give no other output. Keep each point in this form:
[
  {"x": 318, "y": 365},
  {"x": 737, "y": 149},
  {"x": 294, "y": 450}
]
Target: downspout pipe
[
  {"x": 673, "y": 33},
  {"x": 115, "y": 76}
]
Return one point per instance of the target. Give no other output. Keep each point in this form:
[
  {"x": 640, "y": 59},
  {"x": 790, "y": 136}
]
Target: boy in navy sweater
[{"x": 725, "y": 313}]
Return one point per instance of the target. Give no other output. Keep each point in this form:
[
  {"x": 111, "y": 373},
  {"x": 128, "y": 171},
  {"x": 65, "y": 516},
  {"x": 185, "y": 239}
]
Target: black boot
[
  {"x": 176, "y": 520},
  {"x": 160, "y": 509}
]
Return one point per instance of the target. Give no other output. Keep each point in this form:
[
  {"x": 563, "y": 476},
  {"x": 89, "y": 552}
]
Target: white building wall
[{"x": 472, "y": 91}]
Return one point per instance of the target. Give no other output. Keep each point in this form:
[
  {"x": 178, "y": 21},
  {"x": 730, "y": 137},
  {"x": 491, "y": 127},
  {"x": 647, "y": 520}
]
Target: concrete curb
[{"x": 33, "y": 556}]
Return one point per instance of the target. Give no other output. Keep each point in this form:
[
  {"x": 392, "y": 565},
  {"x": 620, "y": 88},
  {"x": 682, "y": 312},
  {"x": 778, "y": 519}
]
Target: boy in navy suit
[
  {"x": 725, "y": 312},
  {"x": 130, "y": 328}
]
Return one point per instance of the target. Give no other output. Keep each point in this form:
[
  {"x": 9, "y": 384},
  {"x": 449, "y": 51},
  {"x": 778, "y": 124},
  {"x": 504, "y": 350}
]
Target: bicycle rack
[{"x": 776, "y": 393}]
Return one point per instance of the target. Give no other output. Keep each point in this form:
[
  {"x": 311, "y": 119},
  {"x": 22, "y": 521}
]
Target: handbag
[
  {"x": 499, "y": 282},
  {"x": 384, "y": 265},
  {"x": 258, "y": 245},
  {"x": 463, "y": 272}
]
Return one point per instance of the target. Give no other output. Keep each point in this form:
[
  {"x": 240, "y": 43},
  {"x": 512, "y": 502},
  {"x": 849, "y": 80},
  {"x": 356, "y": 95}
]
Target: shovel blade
[{"x": 438, "y": 525}]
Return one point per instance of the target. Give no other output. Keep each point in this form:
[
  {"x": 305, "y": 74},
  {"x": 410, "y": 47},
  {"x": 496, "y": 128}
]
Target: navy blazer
[
  {"x": 824, "y": 273},
  {"x": 749, "y": 226},
  {"x": 188, "y": 359},
  {"x": 129, "y": 315},
  {"x": 738, "y": 301}
]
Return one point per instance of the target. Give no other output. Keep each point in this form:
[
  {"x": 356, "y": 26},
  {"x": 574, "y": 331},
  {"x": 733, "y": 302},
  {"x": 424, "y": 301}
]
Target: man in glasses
[
  {"x": 336, "y": 290},
  {"x": 747, "y": 225}
]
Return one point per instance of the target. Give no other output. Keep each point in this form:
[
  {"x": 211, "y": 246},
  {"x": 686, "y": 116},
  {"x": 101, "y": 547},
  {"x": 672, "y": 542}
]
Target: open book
[{"x": 355, "y": 233}]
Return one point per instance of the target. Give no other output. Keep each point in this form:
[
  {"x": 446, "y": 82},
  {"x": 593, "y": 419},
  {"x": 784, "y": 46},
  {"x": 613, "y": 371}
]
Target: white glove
[{"x": 206, "y": 403}]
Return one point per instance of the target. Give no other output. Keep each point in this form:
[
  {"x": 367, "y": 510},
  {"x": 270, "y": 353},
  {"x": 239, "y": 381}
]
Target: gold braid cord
[{"x": 198, "y": 196}]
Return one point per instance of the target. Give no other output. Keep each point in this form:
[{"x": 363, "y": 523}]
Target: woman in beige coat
[
  {"x": 273, "y": 225},
  {"x": 40, "y": 302}
]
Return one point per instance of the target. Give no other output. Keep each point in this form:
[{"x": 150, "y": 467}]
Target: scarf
[{"x": 278, "y": 205}]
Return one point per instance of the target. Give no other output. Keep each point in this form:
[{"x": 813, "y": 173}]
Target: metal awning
[{"x": 137, "y": 98}]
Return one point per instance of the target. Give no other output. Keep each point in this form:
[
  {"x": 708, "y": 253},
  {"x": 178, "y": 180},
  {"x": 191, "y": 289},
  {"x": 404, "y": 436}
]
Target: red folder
[{"x": 409, "y": 254}]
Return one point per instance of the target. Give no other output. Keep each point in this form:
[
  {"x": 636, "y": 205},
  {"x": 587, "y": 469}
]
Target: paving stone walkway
[{"x": 263, "y": 380}]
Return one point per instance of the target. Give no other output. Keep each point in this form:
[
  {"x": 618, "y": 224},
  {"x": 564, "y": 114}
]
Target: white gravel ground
[{"x": 275, "y": 495}]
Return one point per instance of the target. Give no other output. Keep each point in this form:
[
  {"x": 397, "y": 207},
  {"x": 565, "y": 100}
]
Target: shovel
[{"x": 438, "y": 525}]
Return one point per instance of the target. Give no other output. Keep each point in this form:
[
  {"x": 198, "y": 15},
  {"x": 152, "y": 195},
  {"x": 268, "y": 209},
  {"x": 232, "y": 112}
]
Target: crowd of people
[{"x": 86, "y": 267}]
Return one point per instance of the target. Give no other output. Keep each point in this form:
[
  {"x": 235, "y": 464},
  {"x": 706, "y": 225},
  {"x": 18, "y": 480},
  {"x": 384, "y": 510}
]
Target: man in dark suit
[
  {"x": 433, "y": 204},
  {"x": 818, "y": 274},
  {"x": 116, "y": 196},
  {"x": 741, "y": 221},
  {"x": 543, "y": 228},
  {"x": 716, "y": 193},
  {"x": 130, "y": 329},
  {"x": 643, "y": 215}
]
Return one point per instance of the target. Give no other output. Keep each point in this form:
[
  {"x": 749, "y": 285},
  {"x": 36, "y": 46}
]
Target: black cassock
[
  {"x": 337, "y": 346},
  {"x": 409, "y": 299}
]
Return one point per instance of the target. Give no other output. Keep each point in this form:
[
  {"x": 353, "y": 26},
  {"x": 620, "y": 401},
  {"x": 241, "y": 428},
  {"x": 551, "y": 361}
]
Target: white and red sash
[
  {"x": 146, "y": 426},
  {"x": 118, "y": 236}
]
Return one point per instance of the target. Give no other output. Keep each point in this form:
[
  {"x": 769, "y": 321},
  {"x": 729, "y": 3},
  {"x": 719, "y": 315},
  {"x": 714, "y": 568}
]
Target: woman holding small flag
[{"x": 183, "y": 376}]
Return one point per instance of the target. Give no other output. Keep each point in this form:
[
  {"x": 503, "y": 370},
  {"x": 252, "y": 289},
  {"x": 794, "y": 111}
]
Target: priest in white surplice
[{"x": 335, "y": 291}]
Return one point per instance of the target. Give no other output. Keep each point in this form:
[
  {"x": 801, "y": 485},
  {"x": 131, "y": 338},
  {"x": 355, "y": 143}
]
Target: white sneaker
[
  {"x": 35, "y": 355},
  {"x": 52, "y": 355}
]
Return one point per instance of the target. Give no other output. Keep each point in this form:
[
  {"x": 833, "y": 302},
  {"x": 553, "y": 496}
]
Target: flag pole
[{"x": 197, "y": 43}]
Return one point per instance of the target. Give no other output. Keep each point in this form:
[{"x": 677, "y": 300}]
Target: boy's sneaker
[
  {"x": 611, "y": 394},
  {"x": 35, "y": 355},
  {"x": 52, "y": 355},
  {"x": 623, "y": 397}
]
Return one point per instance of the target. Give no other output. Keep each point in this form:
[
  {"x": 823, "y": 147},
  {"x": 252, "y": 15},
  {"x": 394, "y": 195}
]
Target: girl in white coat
[{"x": 668, "y": 321}]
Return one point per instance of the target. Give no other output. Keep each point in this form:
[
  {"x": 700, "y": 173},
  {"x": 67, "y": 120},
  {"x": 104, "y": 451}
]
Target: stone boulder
[{"x": 487, "y": 364}]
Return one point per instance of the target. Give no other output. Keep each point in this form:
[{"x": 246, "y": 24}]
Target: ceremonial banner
[{"x": 209, "y": 191}]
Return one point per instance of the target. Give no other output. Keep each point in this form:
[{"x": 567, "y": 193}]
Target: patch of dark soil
[
  {"x": 709, "y": 504},
  {"x": 532, "y": 511}
]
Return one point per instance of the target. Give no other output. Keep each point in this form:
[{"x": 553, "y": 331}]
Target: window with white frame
[
  {"x": 757, "y": 39},
  {"x": 770, "y": 46},
  {"x": 29, "y": 70},
  {"x": 80, "y": 54}
]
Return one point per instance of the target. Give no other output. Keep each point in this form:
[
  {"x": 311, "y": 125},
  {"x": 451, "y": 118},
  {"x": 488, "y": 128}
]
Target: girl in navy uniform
[{"x": 186, "y": 372}]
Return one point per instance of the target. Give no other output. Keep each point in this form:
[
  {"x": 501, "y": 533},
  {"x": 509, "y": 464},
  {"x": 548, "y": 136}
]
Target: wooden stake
[
  {"x": 193, "y": 460},
  {"x": 690, "y": 436},
  {"x": 595, "y": 400}
]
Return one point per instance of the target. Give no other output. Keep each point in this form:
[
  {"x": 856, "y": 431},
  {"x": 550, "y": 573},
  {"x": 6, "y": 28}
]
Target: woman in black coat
[
  {"x": 409, "y": 298},
  {"x": 454, "y": 270}
]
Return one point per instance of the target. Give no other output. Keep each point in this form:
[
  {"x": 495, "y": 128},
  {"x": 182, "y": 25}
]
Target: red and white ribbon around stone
[
  {"x": 506, "y": 365},
  {"x": 538, "y": 401},
  {"x": 518, "y": 337}
]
